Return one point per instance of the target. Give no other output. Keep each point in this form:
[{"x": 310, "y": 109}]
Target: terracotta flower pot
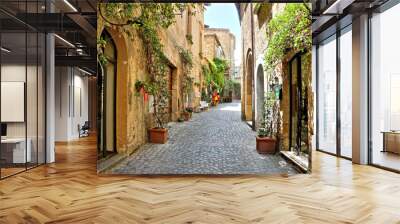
[
  {"x": 186, "y": 116},
  {"x": 265, "y": 145},
  {"x": 158, "y": 135}
]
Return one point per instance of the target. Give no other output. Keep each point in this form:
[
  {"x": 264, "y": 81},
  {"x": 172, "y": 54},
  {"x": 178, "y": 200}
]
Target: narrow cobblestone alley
[{"x": 212, "y": 142}]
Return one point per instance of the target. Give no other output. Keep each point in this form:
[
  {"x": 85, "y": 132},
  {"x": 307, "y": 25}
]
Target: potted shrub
[
  {"x": 265, "y": 140},
  {"x": 190, "y": 111},
  {"x": 187, "y": 113},
  {"x": 159, "y": 133}
]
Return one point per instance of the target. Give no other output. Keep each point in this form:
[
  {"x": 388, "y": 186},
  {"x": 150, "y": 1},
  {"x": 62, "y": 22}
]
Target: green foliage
[
  {"x": 232, "y": 86},
  {"x": 236, "y": 88},
  {"x": 188, "y": 80},
  {"x": 229, "y": 85},
  {"x": 189, "y": 109},
  {"x": 215, "y": 74},
  {"x": 188, "y": 84},
  {"x": 186, "y": 56},
  {"x": 256, "y": 7},
  {"x": 155, "y": 14},
  {"x": 189, "y": 38},
  {"x": 267, "y": 122},
  {"x": 147, "y": 19},
  {"x": 290, "y": 30},
  {"x": 139, "y": 85},
  {"x": 101, "y": 44},
  {"x": 214, "y": 77}
]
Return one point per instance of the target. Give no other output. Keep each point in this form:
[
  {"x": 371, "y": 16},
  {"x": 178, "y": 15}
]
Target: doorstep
[{"x": 298, "y": 161}]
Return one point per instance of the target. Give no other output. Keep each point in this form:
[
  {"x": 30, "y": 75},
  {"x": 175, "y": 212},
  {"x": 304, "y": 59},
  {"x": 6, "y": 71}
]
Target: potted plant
[
  {"x": 157, "y": 88},
  {"x": 190, "y": 111},
  {"x": 187, "y": 113},
  {"x": 265, "y": 140}
]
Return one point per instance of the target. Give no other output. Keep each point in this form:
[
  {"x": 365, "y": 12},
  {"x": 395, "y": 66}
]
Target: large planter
[
  {"x": 158, "y": 135},
  {"x": 265, "y": 145}
]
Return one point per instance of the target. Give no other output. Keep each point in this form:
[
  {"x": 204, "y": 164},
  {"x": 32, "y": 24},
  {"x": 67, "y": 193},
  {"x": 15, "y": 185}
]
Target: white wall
[
  {"x": 33, "y": 126},
  {"x": 15, "y": 73},
  {"x": 71, "y": 102}
]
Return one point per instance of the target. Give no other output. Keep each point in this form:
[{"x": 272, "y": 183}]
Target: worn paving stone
[{"x": 212, "y": 142}]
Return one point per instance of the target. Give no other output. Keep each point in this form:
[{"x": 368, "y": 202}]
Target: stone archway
[
  {"x": 121, "y": 88},
  {"x": 248, "y": 96},
  {"x": 260, "y": 92}
]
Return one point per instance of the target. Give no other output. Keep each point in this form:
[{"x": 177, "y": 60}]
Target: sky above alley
[{"x": 225, "y": 15}]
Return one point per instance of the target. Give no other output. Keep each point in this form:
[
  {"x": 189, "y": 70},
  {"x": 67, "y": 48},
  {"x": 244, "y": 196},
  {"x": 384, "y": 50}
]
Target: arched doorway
[
  {"x": 260, "y": 94},
  {"x": 107, "y": 86},
  {"x": 249, "y": 88}
]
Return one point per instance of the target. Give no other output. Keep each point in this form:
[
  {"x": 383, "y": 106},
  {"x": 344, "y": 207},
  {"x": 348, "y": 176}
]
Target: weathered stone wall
[
  {"x": 134, "y": 117},
  {"x": 197, "y": 50},
  {"x": 247, "y": 54},
  {"x": 211, "y": 44}
]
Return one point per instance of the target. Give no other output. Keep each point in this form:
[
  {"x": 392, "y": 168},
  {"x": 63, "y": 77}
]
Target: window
[
  {"x": 346, "y": 92},
  {"x": 22, "y": 78},
  {"x": 327, "y": 96},
  {"x": 385, "y": 89}
]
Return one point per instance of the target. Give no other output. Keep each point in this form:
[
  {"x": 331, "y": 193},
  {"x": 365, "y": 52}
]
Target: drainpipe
[{"x": 252, "y": 69}]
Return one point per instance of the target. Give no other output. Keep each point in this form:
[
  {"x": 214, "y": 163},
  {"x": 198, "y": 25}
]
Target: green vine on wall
[
  {"x": 288, "y": 31},
  {"x": 189, "y": 38},
  {"x": 147, "y": 20},
  {"x": 214, "y": 74},
  {"x": 101, "y": 44},
  {"x": 187, "y": 59}
]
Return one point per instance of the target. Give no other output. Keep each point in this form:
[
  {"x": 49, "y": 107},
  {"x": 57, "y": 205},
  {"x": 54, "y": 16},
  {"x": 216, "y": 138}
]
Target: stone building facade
[
  {"x": 134, "y": 111},
  {"x": 254, "y": 21},
  {"x": 254, "y": 18},
  {"x": 227, "y": 41},
  {"x": 213, "y": 47}
]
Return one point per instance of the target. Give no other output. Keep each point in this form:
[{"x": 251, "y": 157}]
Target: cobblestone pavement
[{"x": 212, "y": 142}]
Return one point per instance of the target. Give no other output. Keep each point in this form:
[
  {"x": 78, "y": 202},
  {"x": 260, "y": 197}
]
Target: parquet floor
[{"x": 70, "y": 191}]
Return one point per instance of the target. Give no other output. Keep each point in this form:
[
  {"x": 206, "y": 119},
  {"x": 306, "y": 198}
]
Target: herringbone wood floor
[{"x": 70, "y": 191}]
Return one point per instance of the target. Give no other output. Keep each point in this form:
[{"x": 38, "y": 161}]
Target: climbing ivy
[
  {"x": 288, "y": 31},
  {"x": 101, "y": 44},
  {"x": 188, "y": 80},
  {"x": 214, "y": 74},
  {"x": 147, "y": 20}
]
